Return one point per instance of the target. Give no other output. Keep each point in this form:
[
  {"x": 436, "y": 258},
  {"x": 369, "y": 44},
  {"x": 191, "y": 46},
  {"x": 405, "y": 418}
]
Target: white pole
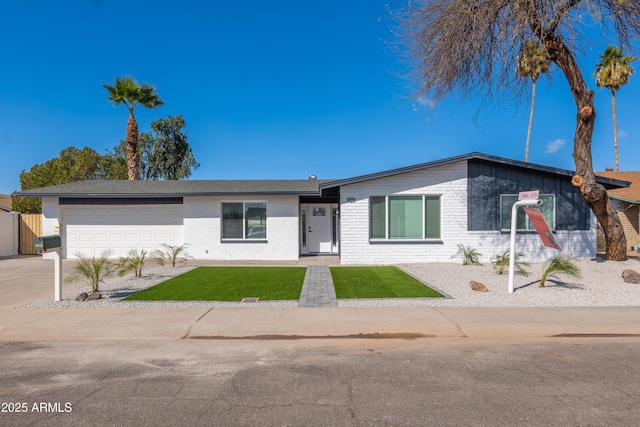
[
  {"x": 57, "y": 259},
  {"x": 512, "y": 246}
]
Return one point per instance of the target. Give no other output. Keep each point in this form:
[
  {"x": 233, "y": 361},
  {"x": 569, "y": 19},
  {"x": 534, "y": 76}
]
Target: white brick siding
[{"x": 450, "y": 181}]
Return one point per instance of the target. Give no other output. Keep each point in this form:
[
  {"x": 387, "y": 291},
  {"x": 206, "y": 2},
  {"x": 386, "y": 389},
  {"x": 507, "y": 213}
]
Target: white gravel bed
[
  {"x": 115, "y": 288},
  {"x": 601, "y": 285}
]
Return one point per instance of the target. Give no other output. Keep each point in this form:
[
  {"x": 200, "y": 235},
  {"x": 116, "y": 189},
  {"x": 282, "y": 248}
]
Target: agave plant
[
  {"x": 501, "y": 263},
  {"x": 93, "y": 270},
  {"x": 172, "y": 253},
  {"x": 559, "y": 265},
  {"x": 468, "y": 254},
  {"x": 134, "y": 261}
]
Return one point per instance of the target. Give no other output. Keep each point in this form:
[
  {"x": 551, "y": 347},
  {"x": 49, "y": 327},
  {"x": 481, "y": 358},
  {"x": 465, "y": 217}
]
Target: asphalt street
[{"x": 346, "y": 382}]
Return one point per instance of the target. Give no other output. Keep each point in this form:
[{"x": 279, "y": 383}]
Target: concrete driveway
[{"x": 28, "y": 278}]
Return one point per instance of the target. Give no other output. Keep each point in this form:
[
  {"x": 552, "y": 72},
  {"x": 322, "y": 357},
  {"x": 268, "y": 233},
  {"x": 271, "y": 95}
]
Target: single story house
[
  {"x": 417, "y": 213},
  {"x": 626, "y": 201}
]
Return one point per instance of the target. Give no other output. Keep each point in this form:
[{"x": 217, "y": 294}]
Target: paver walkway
[{"x": 317, "y": 289}]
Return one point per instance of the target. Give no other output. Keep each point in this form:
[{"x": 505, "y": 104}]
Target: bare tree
[{"x": 469, "y": 47}]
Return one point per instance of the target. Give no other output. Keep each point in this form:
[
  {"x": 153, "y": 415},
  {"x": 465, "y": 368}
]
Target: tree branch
[{"x": 564, "y": 9}]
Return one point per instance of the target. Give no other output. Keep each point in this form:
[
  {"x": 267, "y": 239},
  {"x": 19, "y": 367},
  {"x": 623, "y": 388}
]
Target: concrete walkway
[{"x": 317, "y": 289}]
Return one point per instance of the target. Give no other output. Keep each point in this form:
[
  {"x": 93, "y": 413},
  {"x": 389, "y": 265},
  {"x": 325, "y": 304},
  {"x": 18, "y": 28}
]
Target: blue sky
[{"x": 269, "y": 90}]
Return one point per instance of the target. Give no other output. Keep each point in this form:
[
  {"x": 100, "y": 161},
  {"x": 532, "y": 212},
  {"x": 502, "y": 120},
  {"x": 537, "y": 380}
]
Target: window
[
  {"x": 548, "y": 209},
  {"x": 244, "y": 220},
  {"x": 407, "y": 217}
]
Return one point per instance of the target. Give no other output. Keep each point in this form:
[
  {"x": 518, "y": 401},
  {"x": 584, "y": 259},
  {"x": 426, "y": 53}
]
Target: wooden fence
[{"x": 30, "y": 228}]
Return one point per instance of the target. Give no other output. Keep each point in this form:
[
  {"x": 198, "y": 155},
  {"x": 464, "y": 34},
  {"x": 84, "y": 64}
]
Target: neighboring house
[
  {"x": 5, "y": 202},
  {"x": 414, "y": 214},
  {"x": 627, "y": 202}
]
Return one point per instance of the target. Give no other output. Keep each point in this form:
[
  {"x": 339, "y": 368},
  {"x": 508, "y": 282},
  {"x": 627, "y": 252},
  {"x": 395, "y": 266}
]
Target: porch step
[{"x": 317, "y": 289}]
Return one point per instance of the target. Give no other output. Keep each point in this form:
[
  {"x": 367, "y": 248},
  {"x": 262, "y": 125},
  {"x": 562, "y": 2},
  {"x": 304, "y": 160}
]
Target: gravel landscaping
[{"x": 601, "y": 285}]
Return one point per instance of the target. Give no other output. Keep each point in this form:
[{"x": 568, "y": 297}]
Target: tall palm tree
[
  {"x": 127, "y": 91},
  {"x": 612, "y": 71},
  {"x": 533, "y": 60}
]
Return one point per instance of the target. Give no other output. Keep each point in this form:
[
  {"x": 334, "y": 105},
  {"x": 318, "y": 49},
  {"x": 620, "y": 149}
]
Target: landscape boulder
[
  {"x": 631, "y": 276},
  {"x": 94, "y": 295},
  {"x": 477, "y": 286},
  {"x": 81, "y": 297}
]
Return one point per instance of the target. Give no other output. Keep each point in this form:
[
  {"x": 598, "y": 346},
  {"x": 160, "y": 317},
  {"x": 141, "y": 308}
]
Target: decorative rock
[
  {"x": 94, "y": 295},
  {"x": 81, "y": 297},
  {"x": 477, "y": 286},
  {"x": 631, "y": 276}
]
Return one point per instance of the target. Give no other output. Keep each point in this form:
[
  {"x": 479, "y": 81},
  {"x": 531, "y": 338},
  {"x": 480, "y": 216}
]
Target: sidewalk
[
  {"x": 28, "y": 280},
  {"x": 295, "y": 323}
]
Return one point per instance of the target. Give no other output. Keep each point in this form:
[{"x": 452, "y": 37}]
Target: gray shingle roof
[
  {"x": 117, "y": 188},
  {"x": 607, "y": 182},
  {"x": 301, "y": 187}
]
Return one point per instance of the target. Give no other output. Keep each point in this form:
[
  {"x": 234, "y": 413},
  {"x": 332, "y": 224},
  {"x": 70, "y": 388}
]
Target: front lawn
[
  {"x": 378, "y": 282},
  {"x": 228, "y": 284}
]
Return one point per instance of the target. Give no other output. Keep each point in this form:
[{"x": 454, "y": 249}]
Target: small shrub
[
  {"x": 93, "y": 270},
  {"x": 468, "y": 254},
  {"x": 501, "y": 263},
  {"x": 559, "y": 265},
  {"x": 172, "y": 253},
  {"x": 133, "y": 262}
]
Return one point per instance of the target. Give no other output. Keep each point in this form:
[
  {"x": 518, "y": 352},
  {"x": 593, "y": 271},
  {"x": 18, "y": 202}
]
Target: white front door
[{"x": 319, "y": 228}]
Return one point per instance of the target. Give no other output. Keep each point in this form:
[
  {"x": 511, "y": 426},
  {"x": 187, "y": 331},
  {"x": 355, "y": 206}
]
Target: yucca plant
[
  {"x": 93, "y": 270},
  {"x": 468, "y": 254},
  {"x": 559, "y": 265},
  {"x": 133, "y": 262},
  {"x": 172, "y": 253},
  {"x": 501, "y": 263}
]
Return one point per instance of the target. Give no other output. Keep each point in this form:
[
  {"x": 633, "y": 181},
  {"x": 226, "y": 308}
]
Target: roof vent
[
  {"x": 313, "y": 177},
  {"x": 609, "y": 169}
]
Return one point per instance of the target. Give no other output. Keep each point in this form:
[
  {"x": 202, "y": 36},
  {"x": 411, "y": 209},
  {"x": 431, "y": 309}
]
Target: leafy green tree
[
  {"x": 468, "y": 48},
  {"x": 613, "y": 71},
  {"x": 164, "y": 152},
  {"x": 533, "y": 60},
  {"x": 72, "y": 165},
  {"x": 127, "y": 91}
]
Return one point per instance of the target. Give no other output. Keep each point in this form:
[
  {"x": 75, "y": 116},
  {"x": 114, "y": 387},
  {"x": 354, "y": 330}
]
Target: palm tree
[
  {"x": 127, "y": 91},
  {"x": 612, "y": 71},
  {"x": 533, "y": 60}
]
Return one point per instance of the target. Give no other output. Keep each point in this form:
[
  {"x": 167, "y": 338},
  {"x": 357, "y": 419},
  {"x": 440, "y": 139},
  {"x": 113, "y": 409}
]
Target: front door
[{"x": 318, "y": 222}]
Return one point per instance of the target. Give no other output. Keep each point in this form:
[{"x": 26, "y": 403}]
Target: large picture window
[
  {"x": 547, "y": 208},
  {"x": 410, "y": 217},
  {"x": 244, "y": 220}
]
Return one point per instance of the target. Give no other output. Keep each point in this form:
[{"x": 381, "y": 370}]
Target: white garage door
[{"x": 90, "y": 230}]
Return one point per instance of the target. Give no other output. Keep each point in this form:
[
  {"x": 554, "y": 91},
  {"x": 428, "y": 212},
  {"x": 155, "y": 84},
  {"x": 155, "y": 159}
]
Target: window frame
[
  {"x": 387, "y": 227},
  {"x": 528, "y": 225},
  {"x": 244, "y": 237}
]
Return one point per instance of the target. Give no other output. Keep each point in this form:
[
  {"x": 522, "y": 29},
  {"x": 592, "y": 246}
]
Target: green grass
[
  {"x": 228, "y": 284},
  {"x": 378, "y": 282}
]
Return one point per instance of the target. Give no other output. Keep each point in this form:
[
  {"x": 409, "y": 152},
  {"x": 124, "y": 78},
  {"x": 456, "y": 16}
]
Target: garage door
[{"x": 90, "y": 230}]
